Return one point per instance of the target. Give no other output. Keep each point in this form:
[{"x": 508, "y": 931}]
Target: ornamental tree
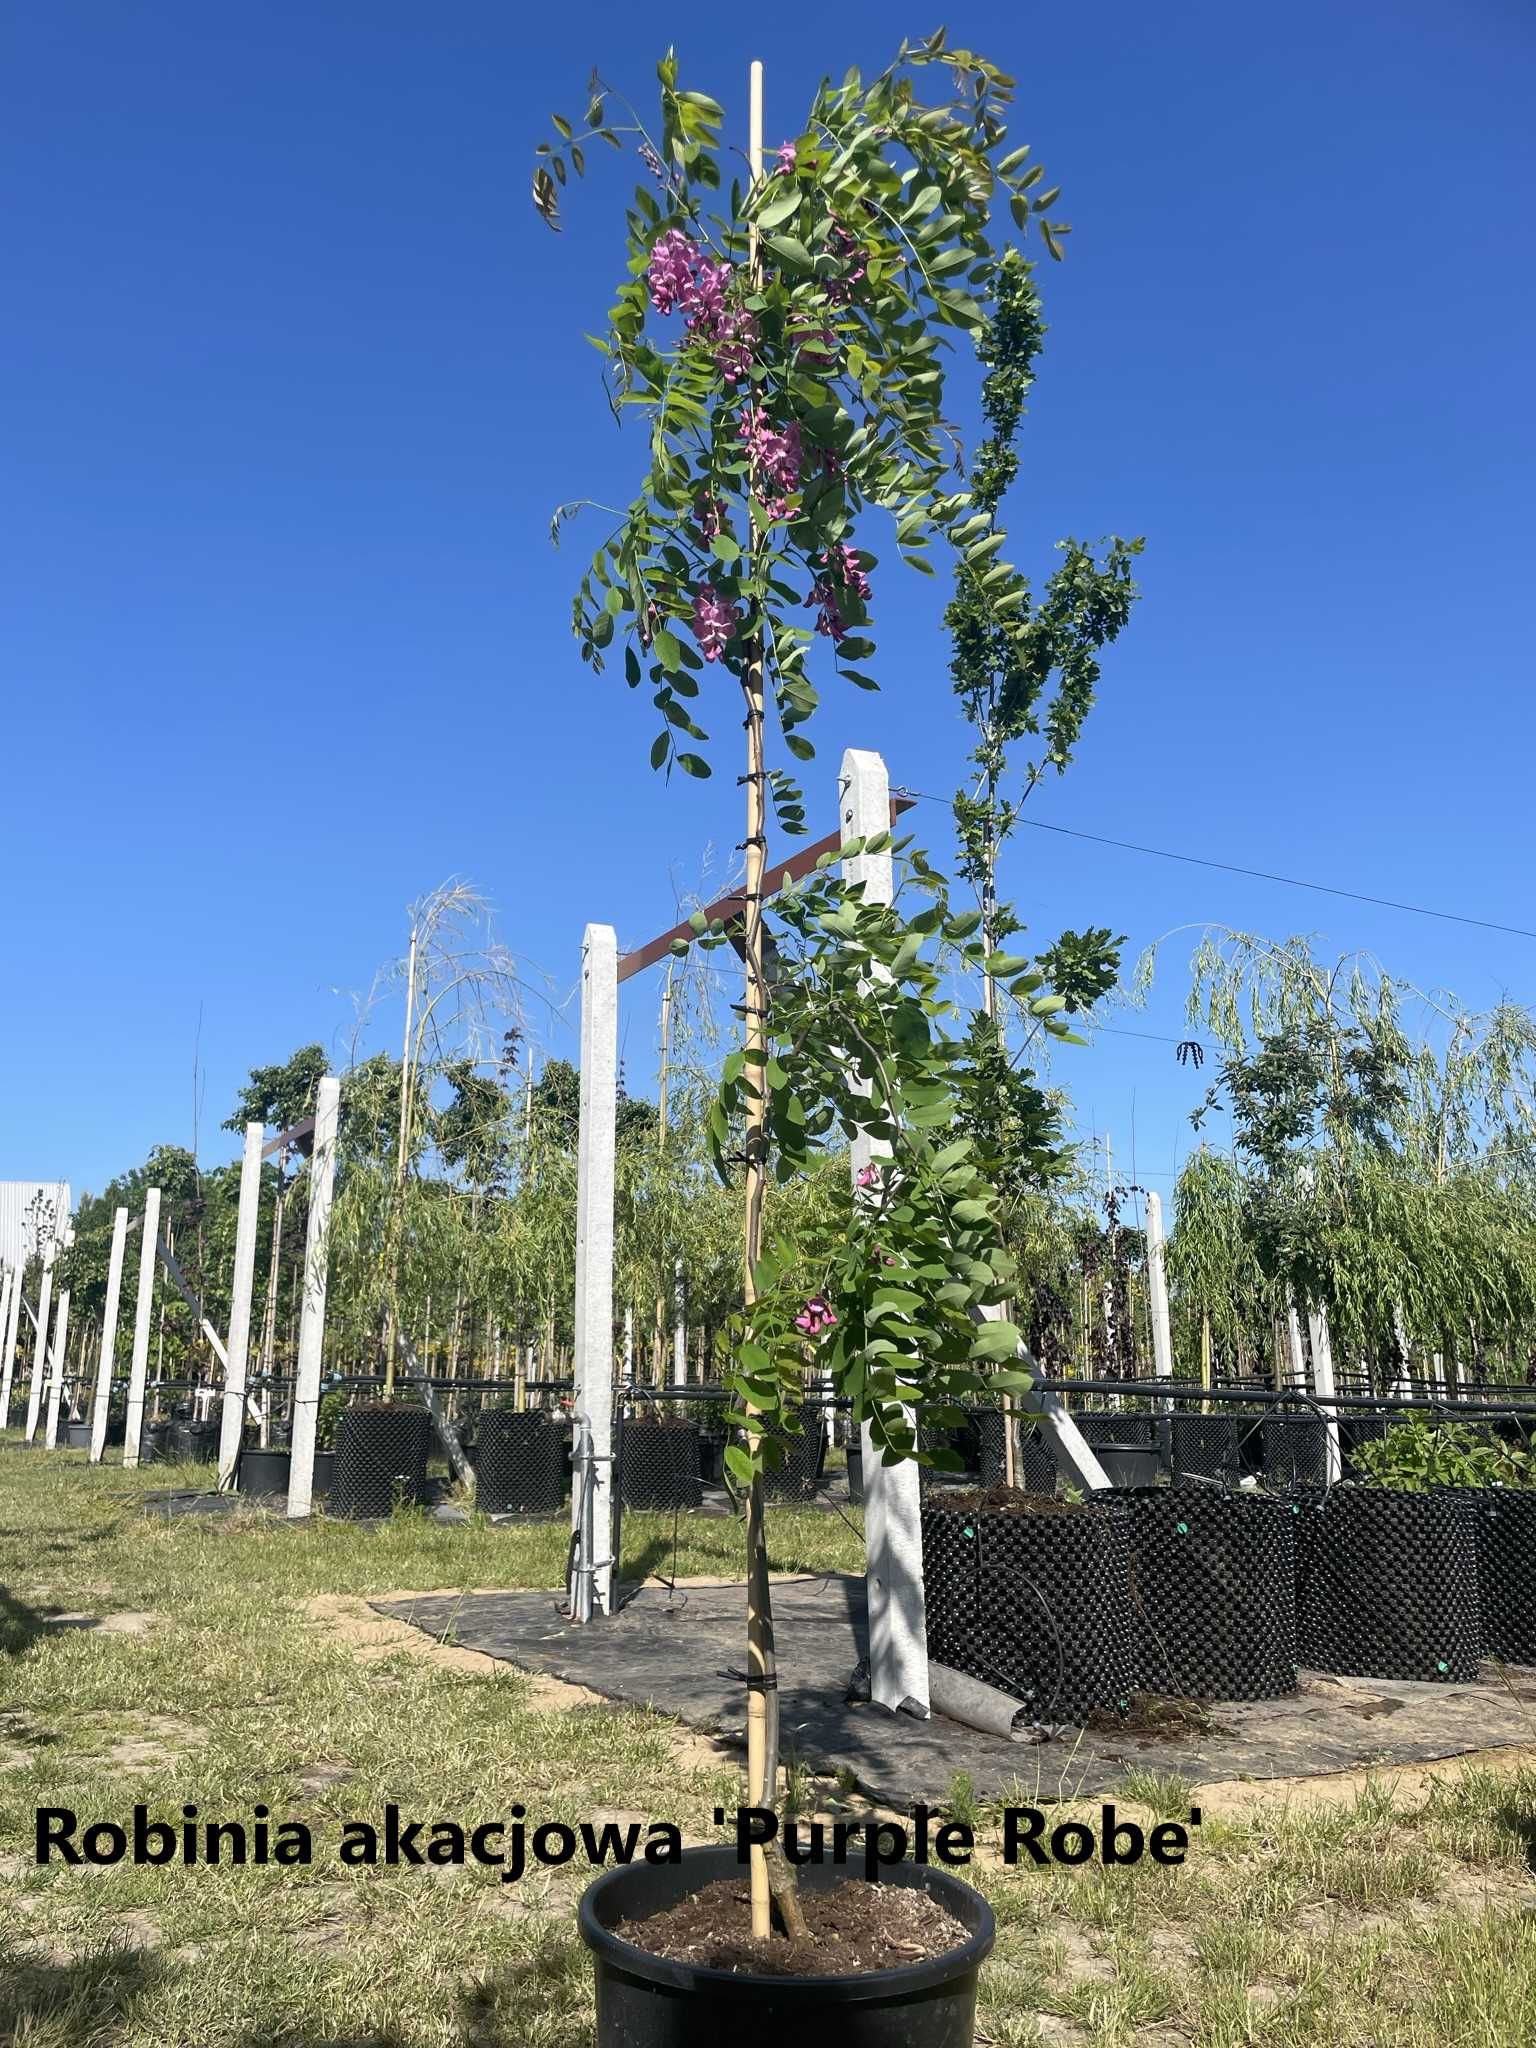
[{"x": 784, "y": 335}]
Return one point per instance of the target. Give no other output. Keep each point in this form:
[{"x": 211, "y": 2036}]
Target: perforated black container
[
  {"x": 1204, "y": 1447},
  {"x": 1387, "y": 1583},
  {"x": 1213, "y": 1593},
  {"x": 1506, "y": 1573},
  {"x": 805, "y": 1454},
  {"x": 195, "y": 1442},
  {"x": 520, "y": 1463},
  {"x": 1295, "y": 1451},
  {"x": 381, "y": 1459},
  {"x": 1036, "y": 1469},
  {"x": 659, "y": 1463},
  {"x": 1037, "y": 1604}
]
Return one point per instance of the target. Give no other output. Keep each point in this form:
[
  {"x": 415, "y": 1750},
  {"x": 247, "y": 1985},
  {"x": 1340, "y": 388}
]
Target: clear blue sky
[{"x": 291, "y": 378}]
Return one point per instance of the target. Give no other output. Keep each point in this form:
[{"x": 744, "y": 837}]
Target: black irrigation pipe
[{"x": 1184, "y": 1390}]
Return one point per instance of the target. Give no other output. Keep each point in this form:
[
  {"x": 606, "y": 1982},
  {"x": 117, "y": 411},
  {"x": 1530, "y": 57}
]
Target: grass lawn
[{"x": 234, "y": 1663}]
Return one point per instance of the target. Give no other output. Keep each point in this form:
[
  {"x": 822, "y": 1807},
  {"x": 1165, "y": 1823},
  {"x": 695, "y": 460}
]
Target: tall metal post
[{"x": 591, "y": 1590}]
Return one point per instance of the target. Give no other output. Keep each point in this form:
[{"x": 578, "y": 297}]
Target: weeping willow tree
[{"x": 1384, "y": 1169}]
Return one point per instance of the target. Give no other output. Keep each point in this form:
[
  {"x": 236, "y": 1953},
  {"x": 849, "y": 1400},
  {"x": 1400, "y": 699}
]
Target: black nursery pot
[
  {"x": 659, "y": 1463},
  {"x": 1506, "y": 1573},
  {"x": 1386, "y": 1583},
  {"x": 856, "y": 1472},
  {"x": 264, "y": 1475},
  {"x": 1204, "y": 1447},
  {"x": 1038, "y": 1605},
  {"x": 381, "y": 1459},
  {"x": 520, "y": 1465},
  {"x": 805, "y": 1455},
  {"x": 195, "y": 1442},
  {"x": 1214, "y": 1593},
  {"x": 1295, "y": 1451},
  {"x": 646, "y": 2001}
]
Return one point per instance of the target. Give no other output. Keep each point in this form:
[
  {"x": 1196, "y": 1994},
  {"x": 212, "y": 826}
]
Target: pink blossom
[
  {"x": 842, "y": 576},
  {"x": 709, "y": 513},
  {"x": 816, "y": 1316},
  {"x": 734, "y": 336},
  {"x": 715, "y": 619},
  {"x": 784, "y": 160},
  {"x": 867, "y": 1176},
  {"x": 670, "y": 274},
  {"x": 776, "y": 455}
]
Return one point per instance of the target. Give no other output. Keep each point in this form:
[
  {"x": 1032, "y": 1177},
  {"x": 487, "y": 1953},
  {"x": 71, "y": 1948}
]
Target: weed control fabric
[
  {"x": 1213, "y": 1593},
  {"x": 1036, "y": 1604},
  {"x": 1387, "y": 1584}
]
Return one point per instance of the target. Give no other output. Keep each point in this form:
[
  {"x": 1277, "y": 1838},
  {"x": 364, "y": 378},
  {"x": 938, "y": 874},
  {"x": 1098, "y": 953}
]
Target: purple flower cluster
[
  {"x": 842, "y": 576},
  {"x": 776, "y": 456},
  {"x": 784, "y": 160},
  {"x": 682, "y": 277},
  {"x": 715, "y": 619},
  {"x": 816, "y": 1316}
]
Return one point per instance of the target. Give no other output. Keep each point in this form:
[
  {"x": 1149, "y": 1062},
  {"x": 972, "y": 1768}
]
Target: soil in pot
[
  {"x": 1387, "y": 1583},
  {"x": 659, "y": 1463},
  {"x": 852, "y": 1927},
  {"x": 381, "y": 1459},
  {"x": 521, "y": 1463},
  {"x": 1213, "y": 1593},
  {"x": 646, "y": 2000},
  {"x": 1032, "y": 1595}
]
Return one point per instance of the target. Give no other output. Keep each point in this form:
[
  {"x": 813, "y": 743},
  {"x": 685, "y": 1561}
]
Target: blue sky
[{"x": 291, "y": 378}]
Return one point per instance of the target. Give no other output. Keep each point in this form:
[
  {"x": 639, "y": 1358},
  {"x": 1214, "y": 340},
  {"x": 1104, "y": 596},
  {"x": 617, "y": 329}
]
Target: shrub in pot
[{"x": 846, "y": 1034}]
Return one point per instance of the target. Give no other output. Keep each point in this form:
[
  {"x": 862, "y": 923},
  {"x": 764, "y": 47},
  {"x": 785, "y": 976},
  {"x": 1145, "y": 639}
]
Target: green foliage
[{"x": 1419, "y": 1454}]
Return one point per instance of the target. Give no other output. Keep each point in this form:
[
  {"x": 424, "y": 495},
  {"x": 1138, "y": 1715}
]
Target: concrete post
[
  {"x": 237, "y": 1349},
  {"x": 893, "y": 1533},
  {"x": 142, "y": 1310},
  {"x": 592, "y": 1486},
  {"x": 1157, "y": 1290},
  {"x": 40, "y": 1334},
  {"x": 1323, "y": 1387},
  {"x": 104, "y": 1363},
  {"x": 56, "y": 1373},
  {"x": 10, "y": 1288},
  {"x": 679, "y": 1327},
  {"x": 317, "y": 1253}
]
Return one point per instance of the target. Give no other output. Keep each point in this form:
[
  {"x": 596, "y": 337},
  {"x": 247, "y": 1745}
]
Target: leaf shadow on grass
[
  {"x": 1520, "y": 1821},
  {"x": 20, "y": 1625},
  {"x": 91, "y": 1998},
  {"x": 547, "y": 1998}
]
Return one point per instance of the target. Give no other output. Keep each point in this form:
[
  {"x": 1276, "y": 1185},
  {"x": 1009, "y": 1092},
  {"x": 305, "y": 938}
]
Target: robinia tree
[{"x": 784, "y": 335}]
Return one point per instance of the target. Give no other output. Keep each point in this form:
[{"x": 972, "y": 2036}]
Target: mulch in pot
[{"x": 855, "y": 1927}]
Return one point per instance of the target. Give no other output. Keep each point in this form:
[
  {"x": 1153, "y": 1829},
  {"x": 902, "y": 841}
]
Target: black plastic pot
[
  {"x": 659, "y": 1463},
  {"x": 1204, "y": 1447},
  {"x": 77, "y": 1435},
  {"x": 520, "y": 1466},
  {"x": 1213, "y": 1579},
  {"x": 381, "y": 1459},
  {"x": 805, "y": 1454},
  {"x": 1038, "y": 1605},
  {"x": 855, "y": 1470},
  {"x": 1506, "y": 1573},
  {"x": 646, "y": 2001},
  {"x": 712, "y": 1456},
  {"x": 1386, "y": 1583},
  {"x": 1036, "y": 1463},
  {"x": 196, "y": 1443},
  {"x": 154, "y": 1443},
  {"x": 1123, "y": 1445},
  {"x": 264, "y": 1475},
  {"x": 1295, "y": 1451}
]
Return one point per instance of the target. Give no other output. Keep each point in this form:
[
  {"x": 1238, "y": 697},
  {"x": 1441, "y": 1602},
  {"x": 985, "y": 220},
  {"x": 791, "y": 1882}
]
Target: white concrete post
[
  {"x": 104, "y": 1363},
  {"x": 10, "y": 1288},
  {"x": 40, "y": 1334},
  {"x": 592, "y": 1485},
  {"x": 143, "y": 1310},
  {"x": 1157, "y": 1290},
  {"x": 317, "y": 1254},
  {"x": 1296, "y": 1357},
  {"x": 629, "y": 1346},
  {"x": 679, "y": 1327},
  {"x": 56, "y": 1374},
  {"x": 237, "y": 1349},
  {"x": 893, "y": 1530},
  {"x": 1323, "y": 1387}
]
